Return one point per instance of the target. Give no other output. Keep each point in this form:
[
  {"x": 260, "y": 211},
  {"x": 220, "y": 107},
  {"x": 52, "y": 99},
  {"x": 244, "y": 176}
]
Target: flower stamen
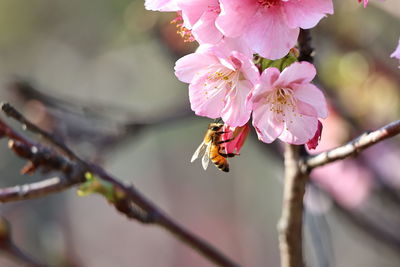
[
  {"x": 184, "y": 32},
  {"x": 268, "y": 3},
  {"x": 281, "y": 100}
]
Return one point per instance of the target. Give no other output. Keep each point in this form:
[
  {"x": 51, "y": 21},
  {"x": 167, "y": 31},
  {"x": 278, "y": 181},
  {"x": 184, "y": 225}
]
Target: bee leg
[
  {"x": 227, "y": 155},
  {"x": 219, "y": 133},
  {"x": 225, "y": 141}
]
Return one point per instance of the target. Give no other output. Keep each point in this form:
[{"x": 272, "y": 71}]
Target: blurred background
[{"x": 100, "y": 75}]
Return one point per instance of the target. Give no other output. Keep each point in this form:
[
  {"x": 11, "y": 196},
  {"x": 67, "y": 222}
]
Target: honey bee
[{"x": 213, "y": 148}]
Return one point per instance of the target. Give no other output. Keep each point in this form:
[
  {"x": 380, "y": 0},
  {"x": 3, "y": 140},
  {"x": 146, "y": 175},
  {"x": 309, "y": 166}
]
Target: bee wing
[
  {"x": 206, "y": 158},
  {"x": 196, "y": 154}
]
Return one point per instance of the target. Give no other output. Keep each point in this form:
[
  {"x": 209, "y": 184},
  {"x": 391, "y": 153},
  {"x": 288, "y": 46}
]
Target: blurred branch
[
  {"x": 35, "y": 190},
  {"x": 75, "y": 168},
  {"x": 371, "y": 224},
  {"x": 73, "y": 120},
  {"x": 8, "y": 246},
  {"x": 353, "y": 147},
  {"x": 305, "y": 48}
]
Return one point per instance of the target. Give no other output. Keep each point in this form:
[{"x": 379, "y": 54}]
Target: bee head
[{"x": 215, "y": 126}]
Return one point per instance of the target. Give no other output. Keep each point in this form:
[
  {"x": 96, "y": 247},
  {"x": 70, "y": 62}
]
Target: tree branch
[
  {"x": 74, "y": 168},
  {"x": 353, "y": 147},
  {"x": 291, "y": 223}
]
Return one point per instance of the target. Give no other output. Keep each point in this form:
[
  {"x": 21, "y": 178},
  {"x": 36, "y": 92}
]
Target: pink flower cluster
[
  {"x": 268, "y": 27},
  {"x": 224, "y": 81}
]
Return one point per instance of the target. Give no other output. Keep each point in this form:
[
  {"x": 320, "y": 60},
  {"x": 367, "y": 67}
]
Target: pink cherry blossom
[
  {"x": 199, "y": 16},
  {"x": 286, "y": 105},
  {"x": 161, "y": 5},
  {"x": 396, "y": 53},
  {"x": 237, "y": 135},
  {"x": 270, "y": 27},
  {"x": 220, "y": 79}
]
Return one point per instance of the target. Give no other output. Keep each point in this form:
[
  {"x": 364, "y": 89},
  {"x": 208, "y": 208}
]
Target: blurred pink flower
[
  {"x": 286, "y": 105},
  {"x": 396, "y": 53},
  {"x": 346, "y": 181},
  {"x": 270, "y": 27},
  {"x": 161, "y": 5},
  {"x": 199, "y": 16},
  {"x": 239, "y": 136},
  {"x": 365, "y": 2},
  {"x": 220, "y": 79}
]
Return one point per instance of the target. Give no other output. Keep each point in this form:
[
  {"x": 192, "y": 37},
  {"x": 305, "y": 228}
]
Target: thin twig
[
  {"x": 353, "y": 147},
  {"x": 35, "y": 190},
  {"x": 131, "y": 196}
]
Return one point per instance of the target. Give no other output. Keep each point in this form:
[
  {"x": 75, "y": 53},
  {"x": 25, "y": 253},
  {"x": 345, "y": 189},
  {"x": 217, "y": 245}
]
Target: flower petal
[
  {"x": 206, "y": 99},
  {"x": 204, "y": 29},
  {"x": 247, "y": 67},
  {"x": 235, "y": 16},
  {"x": 396, "y": 53},
  {"x": 267, "y": 125},
  {"x": 306, "y": 13},
  {"x": 236, "y": 112},
  {"x": 187, "y": 66},
  {"x": 306, "y": 109},
  {"x": 192, "y": 11},
  {"x": 265, "y": 84},
  {"x": 298, "y": 130},
  {"x": 161, "y": 5},
  {"x": 298, "y": 72},
  {"x": 269, "y": 35},
  {"x": 310, "y": 94}
]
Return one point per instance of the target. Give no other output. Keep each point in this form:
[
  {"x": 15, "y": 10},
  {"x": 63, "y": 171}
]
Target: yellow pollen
[{"x": 281, "y": 99}]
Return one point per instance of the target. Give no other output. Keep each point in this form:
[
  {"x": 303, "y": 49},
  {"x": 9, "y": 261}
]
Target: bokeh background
[{"x": 100, "y": 75}]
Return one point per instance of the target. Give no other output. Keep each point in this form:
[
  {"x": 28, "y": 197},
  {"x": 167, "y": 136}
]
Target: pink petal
[
  {"x": 229, "y": 47},
  {"x": 313, "y": 142},
  {"x": 310, "y": 94},
  {"x": 298, "y": 72},
  {"x": 204, "y": 29},
  {"x": 236, "y": 112},
  {"x": 205, "y": 104},
  {"x": 306, "y": 13},
  {"x": 239, "y": 134},
  {"x": 306, "y": 109},
  {"x": 267, "y": 125},
  {"x": 192, "y": 11},
  {"x": 247, "y": 67},
  {"x": 396, "y": 53},
  {"x": 235, "y": 16},
  {"x": 298, "y": 129},
  {"x": 161, "y": 5},
  {"x": 187, "y": 66},
  {"x": 269, "y": 35},
  {"x": 265, "y": 84}
]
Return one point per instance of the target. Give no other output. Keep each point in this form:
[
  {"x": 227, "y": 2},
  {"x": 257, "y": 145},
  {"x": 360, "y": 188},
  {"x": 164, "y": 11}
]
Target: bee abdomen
[{"x": 221, "y": 163}]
